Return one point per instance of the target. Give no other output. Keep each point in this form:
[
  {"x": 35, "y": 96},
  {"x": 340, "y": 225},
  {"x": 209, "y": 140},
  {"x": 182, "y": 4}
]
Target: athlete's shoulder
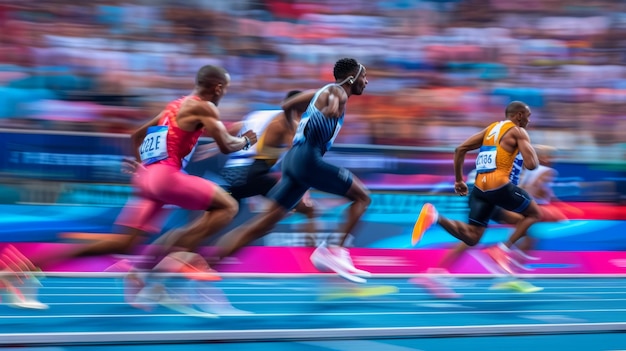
[{"x": 199, "y": 108}]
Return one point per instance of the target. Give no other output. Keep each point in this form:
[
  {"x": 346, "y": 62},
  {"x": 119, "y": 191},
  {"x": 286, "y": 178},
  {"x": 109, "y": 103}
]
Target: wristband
[{"x": 247, "y": 146}]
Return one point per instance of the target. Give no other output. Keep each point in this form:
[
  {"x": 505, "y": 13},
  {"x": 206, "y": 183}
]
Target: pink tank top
[{"x": 179, "y": 142}]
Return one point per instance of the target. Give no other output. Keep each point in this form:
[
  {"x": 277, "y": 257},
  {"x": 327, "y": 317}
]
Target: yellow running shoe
[
  {"x": 359, "y": 292},
  {"x": 516, "y": 285}
]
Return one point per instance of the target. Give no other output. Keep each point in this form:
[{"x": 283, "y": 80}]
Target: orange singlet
[{"x": 493, "y": 163}]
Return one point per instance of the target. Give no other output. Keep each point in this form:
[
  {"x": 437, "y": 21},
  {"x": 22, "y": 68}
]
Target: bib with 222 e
[
  {"x": 154, "y": 146},
  {"x": 486, "y": 159}
]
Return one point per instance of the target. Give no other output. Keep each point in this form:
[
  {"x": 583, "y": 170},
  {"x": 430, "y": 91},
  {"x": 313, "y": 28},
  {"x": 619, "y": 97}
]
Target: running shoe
[
  {"x": 516, "y": 257},
  {"x": 133, "y": 284},
  {"x": 24, "y": 296},
  {"x": 427, "y": 217},
  {"x": 150, "y": 295},
  {"x": 191, "y": 265},
  {"x": 358, "y": 292},
  {"x": 435, "y": 287},
  {"x": 516, "y": 285},
  {"x": 501, "y": 258},
  {"x": 211, "y": 299},
  {"x": 342, "y": 256},
  {"x": 523, "y": 256},
  {"x": 325, "y": 261}
]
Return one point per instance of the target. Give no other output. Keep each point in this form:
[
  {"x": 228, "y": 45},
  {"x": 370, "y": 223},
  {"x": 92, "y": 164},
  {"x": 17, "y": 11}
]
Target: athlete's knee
[
  {"x": 232, "y": 207},
  {"x": 227, "y": 205},
  {"x": 474, "y": 234},
  {"x": 533, "y": 213},
  {"x": 359, "y": 193}
]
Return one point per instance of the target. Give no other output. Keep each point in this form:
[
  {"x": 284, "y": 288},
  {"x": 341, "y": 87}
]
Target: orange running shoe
[{"x": 427, "y": 217}]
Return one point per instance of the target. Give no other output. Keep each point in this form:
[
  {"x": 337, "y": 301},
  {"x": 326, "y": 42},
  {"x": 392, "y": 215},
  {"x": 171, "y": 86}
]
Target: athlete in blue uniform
[{"x": 303, "y": 168}]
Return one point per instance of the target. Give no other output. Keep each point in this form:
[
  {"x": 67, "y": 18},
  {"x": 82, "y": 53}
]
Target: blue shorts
[{"x": 304, "y": 168}]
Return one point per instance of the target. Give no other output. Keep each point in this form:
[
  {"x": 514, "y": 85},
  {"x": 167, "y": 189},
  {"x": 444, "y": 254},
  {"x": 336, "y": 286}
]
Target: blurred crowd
[{"x": 437, "y": 69}]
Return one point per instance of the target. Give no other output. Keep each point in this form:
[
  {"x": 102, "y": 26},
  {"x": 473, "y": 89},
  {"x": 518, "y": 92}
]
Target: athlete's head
[
  {"x": 349, "y": 71},
  {"x": 518, "y": 112},
  {"x": 212, "y": 82},
  {"x": 292, "y": 93}
]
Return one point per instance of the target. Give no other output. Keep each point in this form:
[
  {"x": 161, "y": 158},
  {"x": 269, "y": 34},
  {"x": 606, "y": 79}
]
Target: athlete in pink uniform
[{"x": 161, "y": 144}]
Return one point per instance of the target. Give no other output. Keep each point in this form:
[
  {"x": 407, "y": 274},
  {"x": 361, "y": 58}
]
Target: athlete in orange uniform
[{"x": 499, "y": 144}]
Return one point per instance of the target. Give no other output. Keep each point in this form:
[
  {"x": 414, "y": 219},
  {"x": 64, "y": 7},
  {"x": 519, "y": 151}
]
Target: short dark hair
[
  {"x": 210, "y": 75},
  {"x": 345, "y": 67},
  {"x": 514, "y": 107},
  {"x": 292, "y": 93}
]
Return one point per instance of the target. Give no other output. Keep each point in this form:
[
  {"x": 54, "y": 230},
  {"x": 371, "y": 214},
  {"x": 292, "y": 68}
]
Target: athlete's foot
[
  {"x": 516, "y": 285},
  {"x": 427, "y": 217},
  {"x": 133, "y": 284},
  {"x": 523, "y": 256},
  {"x": 191, "y": 265},
  {"x": 342, "y": 255},
  {"x": 210, "y": 299},
  {"x": 22, "y": 296},
  {"x": 148, "y": 297},
  {"x": 516, "y": 257},
  {"x": 501, "y": 258},
  {"x": 435, "y": 287},
  {"x": 325, "y": 261}
]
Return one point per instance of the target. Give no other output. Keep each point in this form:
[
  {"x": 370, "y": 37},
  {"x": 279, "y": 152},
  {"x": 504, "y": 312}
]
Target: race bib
[
  {"x": 154, "y": 146},
  {"x": 486, "y": 159}
]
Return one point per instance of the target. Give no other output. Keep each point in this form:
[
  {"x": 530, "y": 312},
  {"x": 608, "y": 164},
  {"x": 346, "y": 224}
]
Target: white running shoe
[
  {"x": 325, "y": 261},
  {"x": 148, "y": 297},
  {"x": 343, "y": 257},
  {"x": 211, "y": 299},
  {"x": 22, "y": 294}
]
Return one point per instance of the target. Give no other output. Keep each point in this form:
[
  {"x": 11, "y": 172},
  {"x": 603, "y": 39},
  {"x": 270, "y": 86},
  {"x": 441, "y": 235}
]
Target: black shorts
[
  {"x": 304, "y": 168},
  {"x": 250, "y": 180},
  {"x": 482, "y": 204}
]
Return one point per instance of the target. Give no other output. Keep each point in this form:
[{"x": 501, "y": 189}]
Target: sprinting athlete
[
  {"x": 303, "y": 167},
  {"x": 161, "y": 145},
  {"x": 499, "y": 144},
  {"x": 249, "y": 172}
]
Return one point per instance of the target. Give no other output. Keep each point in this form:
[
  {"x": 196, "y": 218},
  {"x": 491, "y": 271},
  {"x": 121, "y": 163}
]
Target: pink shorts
[{"x": 158, "y": 185}]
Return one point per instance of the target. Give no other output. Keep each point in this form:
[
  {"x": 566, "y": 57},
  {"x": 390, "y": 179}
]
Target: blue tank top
[{"x": 316, "y": 129}]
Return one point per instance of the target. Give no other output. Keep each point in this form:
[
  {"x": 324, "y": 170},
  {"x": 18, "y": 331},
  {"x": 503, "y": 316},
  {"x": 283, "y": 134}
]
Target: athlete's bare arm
[
  {"x": 138, "y": 135},
  {"x": 472, "y": 143},
  {"x": 332, "y": 101},
  {"x": 299, "y": 101},
  {"x": 235, "y": 127},
  {"x": 531, "y": 161},
  {"x": 195, "y": 114}
]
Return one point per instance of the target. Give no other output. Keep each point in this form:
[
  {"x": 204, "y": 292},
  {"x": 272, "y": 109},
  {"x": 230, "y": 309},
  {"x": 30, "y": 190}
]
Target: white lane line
[
  {"x": 423, "y": 303},
  {"x": 312, "y": 286},
  {"x": 351, "y": 345},
  {"x": 323, "y": 314},
  {"x": 486, "y": 293},
  {"x": 71, "y": 338}
]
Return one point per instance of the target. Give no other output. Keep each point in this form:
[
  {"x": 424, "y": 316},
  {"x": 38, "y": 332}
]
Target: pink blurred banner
[{"x": 295, "y": 260}]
